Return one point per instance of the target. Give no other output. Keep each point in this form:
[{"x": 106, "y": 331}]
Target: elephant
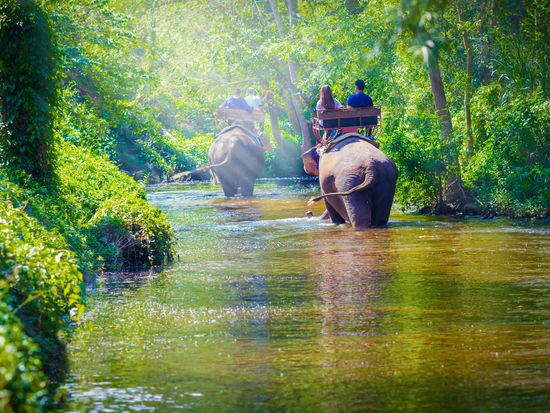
[
  {"x": 237, "y": 159},
  {"x": 357, "y": 181}
]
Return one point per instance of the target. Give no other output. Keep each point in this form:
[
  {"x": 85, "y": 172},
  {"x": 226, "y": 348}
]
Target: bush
[
  {"x": 194, "y": 150},
  {"x": 22, "y": 382},
  {"x": 40, "y": 291},
  {"x": 84, "y": 183},
  {"x": 76, "y": 121},
  {"x": 510, "y": 172},
  {"x": 412, "y": 141},
  {"x": 132, "y": 233},
  {"x": 39, "y": 269}
]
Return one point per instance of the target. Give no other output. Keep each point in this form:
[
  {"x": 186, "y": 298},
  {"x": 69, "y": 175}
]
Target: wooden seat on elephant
[
  {"x": 257, "y": 115},
  {"x": 348, "y": 120}
]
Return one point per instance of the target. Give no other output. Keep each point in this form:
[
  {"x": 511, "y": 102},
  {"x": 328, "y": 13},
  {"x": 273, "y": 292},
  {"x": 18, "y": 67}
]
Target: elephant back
[{"x": 237, "y": 150}]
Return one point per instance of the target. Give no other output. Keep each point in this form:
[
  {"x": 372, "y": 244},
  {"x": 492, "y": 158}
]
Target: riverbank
[{"x": 88, "y": 216}]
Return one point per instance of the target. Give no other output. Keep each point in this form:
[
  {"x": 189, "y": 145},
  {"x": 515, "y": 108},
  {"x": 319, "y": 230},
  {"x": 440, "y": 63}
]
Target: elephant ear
[{"x": 311, "y": 162}]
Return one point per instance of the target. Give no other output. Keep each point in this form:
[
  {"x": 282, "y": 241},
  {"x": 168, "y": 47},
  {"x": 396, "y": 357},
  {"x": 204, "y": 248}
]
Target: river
[{"x": 266, "y": 311}]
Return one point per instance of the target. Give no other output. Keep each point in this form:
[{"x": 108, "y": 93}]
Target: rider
[
  {"x": 252, "y": 99},
  {"x": 255, "y": 102},
  {"x": 327, "y": 102},
  {"x": 237, "y": 102},
  {"x": 360, "y": 100}
]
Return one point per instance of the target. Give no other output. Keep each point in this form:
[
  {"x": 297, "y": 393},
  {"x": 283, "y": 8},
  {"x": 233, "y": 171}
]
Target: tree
[
  {"x": 469, "y": 77},
  {"x": 415, "y": 21},
  {"x": 28, "y": 86}
]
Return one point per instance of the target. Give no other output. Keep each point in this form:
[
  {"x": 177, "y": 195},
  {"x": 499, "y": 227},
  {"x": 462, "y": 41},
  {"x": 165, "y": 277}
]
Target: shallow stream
[{"x": 265, "y": 311}]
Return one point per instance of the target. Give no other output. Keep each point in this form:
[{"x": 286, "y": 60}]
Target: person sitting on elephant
[
  {"x": 360, "y": 100},
  {"x": 327, "y": 102},
  {"x": 255, "y": 102},
  {"x": 237, "y": 102},
  {"x": 252, "y": 99}
]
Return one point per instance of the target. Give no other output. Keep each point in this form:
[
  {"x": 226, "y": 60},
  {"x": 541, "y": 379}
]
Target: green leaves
[
  {"x": 28, "y": 86},
  {"x": 133, "y": 233}
]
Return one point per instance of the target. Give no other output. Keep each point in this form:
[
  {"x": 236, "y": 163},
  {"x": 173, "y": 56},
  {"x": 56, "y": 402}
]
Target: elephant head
[{"x": 311, "y": 161}]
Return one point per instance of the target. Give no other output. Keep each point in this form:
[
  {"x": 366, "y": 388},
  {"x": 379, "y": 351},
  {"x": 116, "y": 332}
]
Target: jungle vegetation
[{"x": 95, "y": 93}]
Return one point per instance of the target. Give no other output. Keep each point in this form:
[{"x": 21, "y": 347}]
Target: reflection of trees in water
[{"x": 352, "y": 271}]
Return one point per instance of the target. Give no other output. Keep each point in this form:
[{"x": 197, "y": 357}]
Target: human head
[
  {"x": 327, "y": 101},
  {"x": 251, "y": 91},
  {"x": 359, "y": 85},
  {"x": 238, "y": 92}
]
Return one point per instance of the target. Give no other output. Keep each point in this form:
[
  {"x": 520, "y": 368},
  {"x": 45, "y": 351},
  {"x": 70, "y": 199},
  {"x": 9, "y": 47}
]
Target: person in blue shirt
[
  {"x": 237, "y": 102},
  {"x": 359, "y": 99}
]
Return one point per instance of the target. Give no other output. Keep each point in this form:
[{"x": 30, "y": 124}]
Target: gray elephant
[
  {"x": 357, "y": 181},
  {"x": 237, "y": 159}
]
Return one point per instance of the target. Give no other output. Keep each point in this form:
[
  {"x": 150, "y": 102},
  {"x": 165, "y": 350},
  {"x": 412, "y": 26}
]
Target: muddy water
[{"x": 267, "y": 311}]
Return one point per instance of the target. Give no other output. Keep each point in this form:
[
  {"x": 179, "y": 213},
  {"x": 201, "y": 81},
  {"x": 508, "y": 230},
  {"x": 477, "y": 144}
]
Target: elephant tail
[
  {"x": 359, "y": 187},
  {"x": 208, "y": 167},
  {"x": 220, "y": 163}
]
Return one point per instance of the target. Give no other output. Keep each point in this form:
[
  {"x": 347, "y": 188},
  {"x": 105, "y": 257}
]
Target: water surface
[{"x": 265, "y": 311}]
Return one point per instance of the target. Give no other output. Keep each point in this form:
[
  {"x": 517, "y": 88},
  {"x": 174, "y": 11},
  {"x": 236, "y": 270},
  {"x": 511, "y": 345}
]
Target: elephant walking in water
[
  {"x": 237, "y": 159},
  {"x": 357, "y": 181}
]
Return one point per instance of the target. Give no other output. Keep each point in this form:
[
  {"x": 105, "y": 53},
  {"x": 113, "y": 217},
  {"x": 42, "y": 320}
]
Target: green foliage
[
  {"x": 40, "y": 290},
  {"x": 134, "y": 98},
  {"x": 76, "y": 121},
  {"x": 40, "y": 271},
  {"x": 510, "y": 172},
  {"x": 28, "y": 84},
  {"x": 132, "y": 233},
  {"x": 84, "y": 183},
  {"x": 194, "y": 150},
  {"x": 22, "y": 382}
]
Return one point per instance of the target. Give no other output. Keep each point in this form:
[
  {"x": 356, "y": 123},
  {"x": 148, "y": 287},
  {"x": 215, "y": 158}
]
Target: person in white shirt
[
  {"x": 253, "y": 100},
  {"x": 326, "y": 101}
]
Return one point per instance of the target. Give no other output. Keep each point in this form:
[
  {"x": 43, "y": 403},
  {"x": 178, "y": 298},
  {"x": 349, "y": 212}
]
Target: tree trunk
[
  {"x": 291, "y": 70},
  {"x": 273, "y": 111},
  {"x": 440, "y": 100},
  {"x": 453, "y": 194},
  {"x": 487, "y": 21},
  {"x": 468, "y": 88}
]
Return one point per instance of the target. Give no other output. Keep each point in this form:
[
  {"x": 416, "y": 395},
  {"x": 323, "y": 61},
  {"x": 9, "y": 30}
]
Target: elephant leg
[
  {"x": 324, "y": 216},
  {"x": 381, "y": 210},
  {"x": 247, "y": 188},
  {"x": 359, "y": 209},
  {"x": 228, "y": 188},
  {"x": 333, "y": 214}
]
